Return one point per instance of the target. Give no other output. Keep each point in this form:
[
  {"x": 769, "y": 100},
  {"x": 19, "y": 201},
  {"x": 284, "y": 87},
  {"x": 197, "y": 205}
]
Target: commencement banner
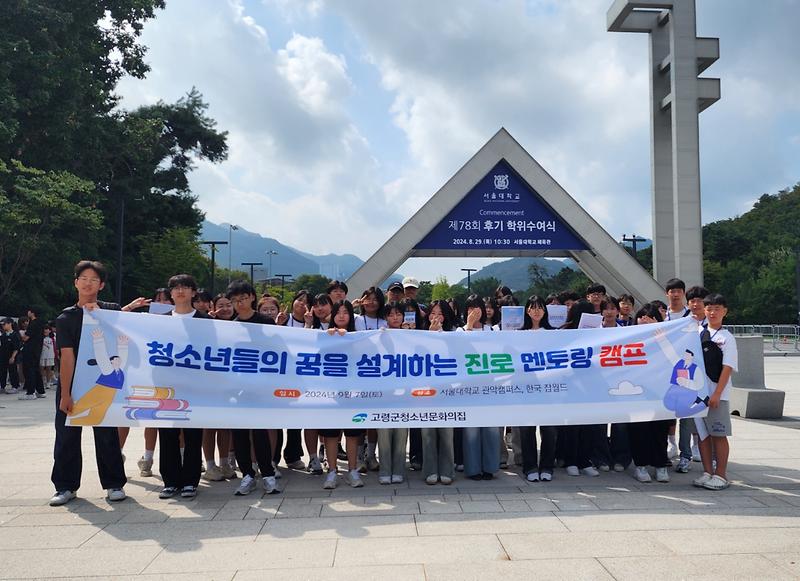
[{"x": 138, "y": 369}]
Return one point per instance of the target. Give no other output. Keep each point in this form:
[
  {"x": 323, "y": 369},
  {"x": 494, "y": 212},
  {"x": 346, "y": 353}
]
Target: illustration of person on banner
[
  {"x": 98, "y": 399},
  {"x": 683, "y": 395}
]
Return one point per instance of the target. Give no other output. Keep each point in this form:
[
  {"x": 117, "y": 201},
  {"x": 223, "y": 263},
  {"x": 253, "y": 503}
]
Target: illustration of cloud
[{"x": 625, "y": 388}]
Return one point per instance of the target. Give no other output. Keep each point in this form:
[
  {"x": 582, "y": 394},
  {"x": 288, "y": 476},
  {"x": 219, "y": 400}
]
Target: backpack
[{"x": 712, "y": 356}]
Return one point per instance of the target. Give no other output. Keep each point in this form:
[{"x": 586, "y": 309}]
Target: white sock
[
  {"x": 371, "y": 448},
  {"x": 210, "y": 464},
  {"x": 671, "y": 439},
  {"x": 148, "y": 455}
]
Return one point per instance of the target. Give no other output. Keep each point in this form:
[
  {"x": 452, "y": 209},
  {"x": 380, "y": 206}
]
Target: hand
[
  {"x": 283, "y": 316},
  {"x": 331, "y": 330},
  {"x": 713, "y": 401},
  {"x": 137, "y": 303},
  {"x": 356, "y": 303},
  {"x": 683, "y": 381},
  {"x": 11, "y": 360},
  {"x": 97, "y": 333},
  {"x": 65, "y": 405},
  {"x": 473, "y": 318},
  {"x": 122, "y": 340},
  {"x": 408, "y": 326},
  {"x": 660, "y": 335},
  {"x": 436, "y": 324},
  {"x": 212, "y": 314},
  {"x": 308, "y": 317}
]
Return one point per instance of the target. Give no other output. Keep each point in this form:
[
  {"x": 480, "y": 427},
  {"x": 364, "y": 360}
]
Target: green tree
[
  {"x": 440, "y": 289},
  {"x": 313, "y": 283},
  {"x": 48, "y": 223},
  {"x": 424, "y": 292},
  {"x": 485, "y": 287},
  {"x": 163, "y": 255}
]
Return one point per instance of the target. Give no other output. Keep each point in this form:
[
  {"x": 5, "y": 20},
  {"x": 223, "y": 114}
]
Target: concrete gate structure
[{"x": 503, "y": 168}]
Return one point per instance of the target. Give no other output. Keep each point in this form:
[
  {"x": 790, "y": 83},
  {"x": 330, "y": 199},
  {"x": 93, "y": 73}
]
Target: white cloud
[{"x": 626, "y": 388}]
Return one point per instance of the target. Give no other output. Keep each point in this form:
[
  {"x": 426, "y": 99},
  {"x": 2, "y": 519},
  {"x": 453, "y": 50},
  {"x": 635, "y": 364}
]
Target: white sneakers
[
  {"x": 246, "y": 486},
  {"x": 573, "y": 471},
  {"x": 315, "y": 466},
  {"x": 270, "y": 485},
  {"x": 641, "y": 474},
  {"x": 353, "y": 478},
  {"x": 213, "y": 474},
  {"x": 590, "y": 471},
  {"x": 145, "y": 467},
  {"x": 62, "y": 497},
  {"x": 430, "y": 479},
  {"x": 112, "y": 494},
  {"x": 331, "y": 480},
  {"x": 700, "y": 481},
  {"x": 532, "y": 476},
  {"x": 662, "y": 475}
]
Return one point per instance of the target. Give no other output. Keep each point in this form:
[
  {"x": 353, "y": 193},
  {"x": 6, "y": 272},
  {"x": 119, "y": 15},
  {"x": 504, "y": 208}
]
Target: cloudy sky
[{"x": 345, "y": 116}]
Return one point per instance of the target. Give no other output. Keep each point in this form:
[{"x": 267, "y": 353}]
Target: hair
[
  {"x": 303, "y": 295},
  {"x": 536, "y": 301},
  {"x": 715, "y": 299},
  {"x": 162, "y": 291},
  {"x": 379, "y": 296},
  {"x": 320, "y": 299},
  {"x": 568, "y": 295},
  {"x": 186, "y": 280},
  {"x": 202, "y": 295},
  {"x": 648, "y": 310},
  {"x": 659, "y": 304},
  {"x": 412, "y": 305},
  {"x": 675, "y": 283},
  {"x": 458, "y": 313},
  {"x": 95, "y": 265},
  {"x": 7, "y": 320},
  {"x": 552, "y": 299},
  {"x": 502, "y": 291},
  {"x": 396, "y": 286},
  {"x": 348, "y": 306},
  {"x": 241, "y": 287},
  {"x": 492, "y": 302},
  {"x": 35, "y": 310},
  {"x": 595, "y": 288},
  {"x": 334, "y": 284},
  {"x": 609, "y": 301},
  {"x": 391, "y": 306},
  {"x": 628, "y": 298},
  {"x": 476, "y": 302},
  {"x": 449, "y": 317},
  {"x": 578, "y": 308},
  {"x": 508, "y": 301},
  {"x": 697, "y": 292}
]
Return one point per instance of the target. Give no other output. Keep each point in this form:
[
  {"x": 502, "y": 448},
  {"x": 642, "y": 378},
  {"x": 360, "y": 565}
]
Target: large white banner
[{"x": 138, "y": 369}]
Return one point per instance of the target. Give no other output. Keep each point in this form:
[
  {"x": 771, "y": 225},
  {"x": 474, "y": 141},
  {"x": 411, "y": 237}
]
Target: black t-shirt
[
  {"x": 69, "y": 322},
  {"x": 256, "y": 318},
  {"x": 35, "y": 334},
  {"x": 9, "y": 343}
]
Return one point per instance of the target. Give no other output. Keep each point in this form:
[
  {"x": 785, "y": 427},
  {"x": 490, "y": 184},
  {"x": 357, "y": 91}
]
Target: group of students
[
  {"x": 27, "y": 353},
  {"x": 438, "y": 453}
]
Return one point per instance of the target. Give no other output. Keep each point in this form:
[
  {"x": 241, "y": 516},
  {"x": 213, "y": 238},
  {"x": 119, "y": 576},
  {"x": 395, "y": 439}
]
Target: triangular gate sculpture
[{"x": 503, "y": 203}]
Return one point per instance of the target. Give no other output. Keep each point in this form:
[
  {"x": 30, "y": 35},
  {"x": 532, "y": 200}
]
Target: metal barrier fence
[{"x": 776, "y": 337}]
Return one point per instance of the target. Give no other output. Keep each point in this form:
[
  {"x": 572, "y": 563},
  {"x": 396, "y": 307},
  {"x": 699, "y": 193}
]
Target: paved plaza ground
[{"x": 609, "y": 527}]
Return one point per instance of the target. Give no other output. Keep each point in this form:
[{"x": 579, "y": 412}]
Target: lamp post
[
  {"x": 213, "y": 244},
  {"x": 270, "y": 254},
  {"x": 283, "y": 278},
  {"x": 469, "y": 272},
  {"x": 231, "y": 227},
  {"x": 252, "y": 265},
  {"x": 633, "y": 240}
]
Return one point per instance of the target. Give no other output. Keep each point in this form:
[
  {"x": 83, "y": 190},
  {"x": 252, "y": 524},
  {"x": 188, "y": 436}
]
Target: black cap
[{"x": 396, "y": 286}]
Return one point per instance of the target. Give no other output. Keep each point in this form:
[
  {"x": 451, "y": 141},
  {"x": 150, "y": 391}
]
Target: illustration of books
[{"x": 155, "y": 403}]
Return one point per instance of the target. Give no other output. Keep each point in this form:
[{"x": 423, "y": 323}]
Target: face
[
  {"x": 687, "y": 358},
  {"x": 489, "y": 311},
  {"x": 410, "y": 292},
  {"x": 610, "y": 313},
  {"x": 436, "y": 313},
  {"x": 342, "y": 318},
  {"x": 337, "y": 295},
  {"x": 676, "y": 296},
  {"x": 394, "y": 319},
  {"x": 7, "y": 327},
  {"x": 715, "y": 314},
  {"x": 395, "y": 295},
  {"x": 162, "y": 298},
  {"x": 202, "y": 305},
  {"x": 370, "y": 304},
  {"x": 322, "y": 311},
  {"x": 625, "y": 308},
  {"x": 242, "y": 303},
  {"x": 299, "y": 308},
  {"x": 88, "y": 282},
  {"x": 471, "y": 309},
  {"x": 181, "y": 293},
  {"x": 697, "y": 308},
  {"x": 269, "y": 308},
  {"x": 595, "y": 298},
  {"x": 115, "y": 363},
  {"x": 568, "y": 303},
  {"x": 224, "y": 308},
  {"x": 663, "y": 312},
  {"x": 536, "y": 312}
]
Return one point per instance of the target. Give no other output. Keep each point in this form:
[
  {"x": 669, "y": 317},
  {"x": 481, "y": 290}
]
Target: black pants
[
  {"x": 8, "y": 370},
  {"x": 68, "y": 460},
  {"x": 176, "y": 471},
  {"x": 577, "y": 444},
  {"x": 620, "y": 445},
  {"x": 33, "y": 375},
  {"x": 600, "y": 451},
  {"x": 531, "y": 460},
  {"x": 649, "y": 443},
  {"x": 415, "y": 446},
  {"x": 241, "y": 446},
  {"x": 458, "y": 446},
  {"x": 294, "y": 447}
]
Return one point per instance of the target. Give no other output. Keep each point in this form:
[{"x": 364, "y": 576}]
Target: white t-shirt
[
  {"x": 678, "y": 315},
  {"x": 324, "y": 326},
  {"x": 730, "y": 355},
  {"x": 366, "y": 323},
  {"x": 485, "y": 328},
  {"x": 292, "y": 322},
  {"x": 48, "y": 348},
  {"x": 188, "y": 315}
]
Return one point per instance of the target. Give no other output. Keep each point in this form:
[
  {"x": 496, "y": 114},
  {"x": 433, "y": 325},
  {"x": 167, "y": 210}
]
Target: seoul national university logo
[{"x": 501, "y": 182}]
